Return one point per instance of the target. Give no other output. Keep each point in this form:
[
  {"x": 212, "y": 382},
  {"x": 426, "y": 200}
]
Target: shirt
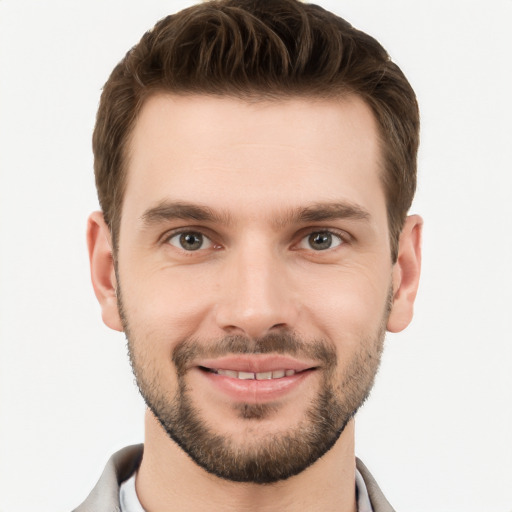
[{"x": 130, "y": 502}]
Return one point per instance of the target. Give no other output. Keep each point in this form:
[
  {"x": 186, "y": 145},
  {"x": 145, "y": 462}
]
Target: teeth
[
  {"x": 229, "y": 373},
  {"x": 264, "y": 375},
  {"x": 276, "y": 374}
]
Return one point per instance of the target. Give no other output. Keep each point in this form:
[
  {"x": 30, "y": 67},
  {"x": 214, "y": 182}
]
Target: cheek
[
  {"x": 348, "y": 304},
  {"x": 167, "y": 303}
]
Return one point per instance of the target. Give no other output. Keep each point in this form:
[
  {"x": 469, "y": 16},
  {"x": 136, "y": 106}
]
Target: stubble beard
[{"x": 274, "y": 457}]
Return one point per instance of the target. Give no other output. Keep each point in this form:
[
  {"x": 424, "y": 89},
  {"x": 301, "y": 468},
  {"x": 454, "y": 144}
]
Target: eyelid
[
  {"x": 344, "y": 237},
  {"x": 168, "y": 235}
]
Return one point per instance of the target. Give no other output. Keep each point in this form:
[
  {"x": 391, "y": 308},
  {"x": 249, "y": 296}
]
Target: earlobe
[
  {"x": 406, "y": 274},
  {"x": 102, "y": 269}
]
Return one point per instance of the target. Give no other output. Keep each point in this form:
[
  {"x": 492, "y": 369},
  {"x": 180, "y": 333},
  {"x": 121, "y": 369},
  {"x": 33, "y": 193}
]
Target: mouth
[
  {"x": 243, "y": 375},
  {"x": 255, "y": 379}
]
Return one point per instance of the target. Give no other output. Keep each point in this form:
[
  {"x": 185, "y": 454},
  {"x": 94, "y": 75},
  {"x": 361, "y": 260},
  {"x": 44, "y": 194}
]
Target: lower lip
[{"x": 253, "y": 390}]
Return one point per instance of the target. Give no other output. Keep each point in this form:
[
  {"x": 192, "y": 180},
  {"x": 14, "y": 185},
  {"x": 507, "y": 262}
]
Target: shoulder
[
  {"x": 377, "y": 498},
  {"x": 105, "y": 495}
]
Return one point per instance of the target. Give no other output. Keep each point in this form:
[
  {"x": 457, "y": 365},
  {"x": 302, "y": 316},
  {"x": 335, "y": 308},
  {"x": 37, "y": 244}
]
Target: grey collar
[{"x": 105, "y": 495}]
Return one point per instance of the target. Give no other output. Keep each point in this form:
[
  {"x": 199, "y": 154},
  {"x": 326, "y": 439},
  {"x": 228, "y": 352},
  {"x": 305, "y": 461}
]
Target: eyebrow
[
  {"x": 167, "y": 211},
  {"x": 330, "y": 211}
]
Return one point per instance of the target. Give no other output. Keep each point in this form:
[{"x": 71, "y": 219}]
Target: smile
[
  {"x": 257, "y": 384},
  {"x": 276, "y": 374}
]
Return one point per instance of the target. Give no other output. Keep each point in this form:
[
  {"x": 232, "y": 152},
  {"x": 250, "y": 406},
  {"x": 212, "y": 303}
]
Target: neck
[{"x": 169, "y": 480}]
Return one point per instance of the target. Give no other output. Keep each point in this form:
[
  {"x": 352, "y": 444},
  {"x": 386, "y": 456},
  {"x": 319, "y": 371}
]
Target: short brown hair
[{"x": 259, "y": 49}]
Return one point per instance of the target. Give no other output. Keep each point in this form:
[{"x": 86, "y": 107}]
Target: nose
[{"x": 256, "y": 293}]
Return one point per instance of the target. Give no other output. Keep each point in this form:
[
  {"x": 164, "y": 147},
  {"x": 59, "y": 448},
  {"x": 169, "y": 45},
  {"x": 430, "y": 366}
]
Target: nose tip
[{"x": 256, "y": 298}]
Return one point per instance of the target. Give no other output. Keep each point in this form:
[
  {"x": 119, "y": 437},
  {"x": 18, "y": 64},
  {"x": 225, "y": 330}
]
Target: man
[{"x": 255, "y": 162}]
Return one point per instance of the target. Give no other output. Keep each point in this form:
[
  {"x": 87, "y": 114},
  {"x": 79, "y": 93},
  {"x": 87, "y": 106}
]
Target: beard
[{"x": 269, "y": 458}]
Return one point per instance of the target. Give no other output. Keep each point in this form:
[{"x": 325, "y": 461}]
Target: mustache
[{"x": 189, "y": 350}]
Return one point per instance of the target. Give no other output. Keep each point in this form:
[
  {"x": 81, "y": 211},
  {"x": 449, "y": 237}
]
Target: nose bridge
[{"x": 255, "y": 295}]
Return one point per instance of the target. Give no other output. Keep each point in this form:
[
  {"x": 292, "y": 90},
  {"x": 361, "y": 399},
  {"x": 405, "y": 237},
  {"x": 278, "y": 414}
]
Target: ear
[
  {"x": 406, "y": 274},
  {"x": 103, "y": 276}
]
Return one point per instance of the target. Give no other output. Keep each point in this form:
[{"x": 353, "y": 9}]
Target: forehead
[{"x": 228, "y": 153}]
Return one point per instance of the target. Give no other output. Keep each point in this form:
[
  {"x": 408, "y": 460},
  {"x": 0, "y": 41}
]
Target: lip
[
  {"x": 255, "y": 391},
  {"x": 257, "y": 363}
]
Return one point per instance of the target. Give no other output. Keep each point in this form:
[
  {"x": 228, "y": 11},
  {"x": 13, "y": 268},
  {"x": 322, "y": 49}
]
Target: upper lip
[{"x": 256, "y": 363}]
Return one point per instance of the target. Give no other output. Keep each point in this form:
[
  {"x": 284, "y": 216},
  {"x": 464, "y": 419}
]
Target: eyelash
[
  {"x": 169, "y": 236},
  {"x": 342, "y": 236}
]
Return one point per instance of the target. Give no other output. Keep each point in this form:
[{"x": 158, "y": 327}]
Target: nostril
[
  {"x": 255, "y": 319},
  {"x": 233, "y": 329}
]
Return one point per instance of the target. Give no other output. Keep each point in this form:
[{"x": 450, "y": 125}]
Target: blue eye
[
  {"x": 320, "y": 241},
  {"x": 190, "y": 241}
]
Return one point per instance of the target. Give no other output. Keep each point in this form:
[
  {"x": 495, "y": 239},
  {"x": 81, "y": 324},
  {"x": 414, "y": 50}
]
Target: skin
[{"x": 256, "y": 166}]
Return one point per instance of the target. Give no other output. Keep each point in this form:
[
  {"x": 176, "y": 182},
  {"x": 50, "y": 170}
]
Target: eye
[
  {"x": 190, "y": 241},
  {"x": 320, "y": 241}
]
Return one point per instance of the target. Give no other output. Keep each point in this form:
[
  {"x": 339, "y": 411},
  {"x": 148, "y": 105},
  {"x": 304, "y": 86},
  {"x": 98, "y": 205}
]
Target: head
[
  {"x": 258, "y": 50},
  {"x": 255, "y": 162}
]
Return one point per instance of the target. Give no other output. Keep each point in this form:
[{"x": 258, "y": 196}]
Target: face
[{"x": 254, "y": 275}]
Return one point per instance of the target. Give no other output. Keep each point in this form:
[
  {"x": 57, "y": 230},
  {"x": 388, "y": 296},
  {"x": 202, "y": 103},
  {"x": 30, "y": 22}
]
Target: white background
[{"x": 437, "y": 431}]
